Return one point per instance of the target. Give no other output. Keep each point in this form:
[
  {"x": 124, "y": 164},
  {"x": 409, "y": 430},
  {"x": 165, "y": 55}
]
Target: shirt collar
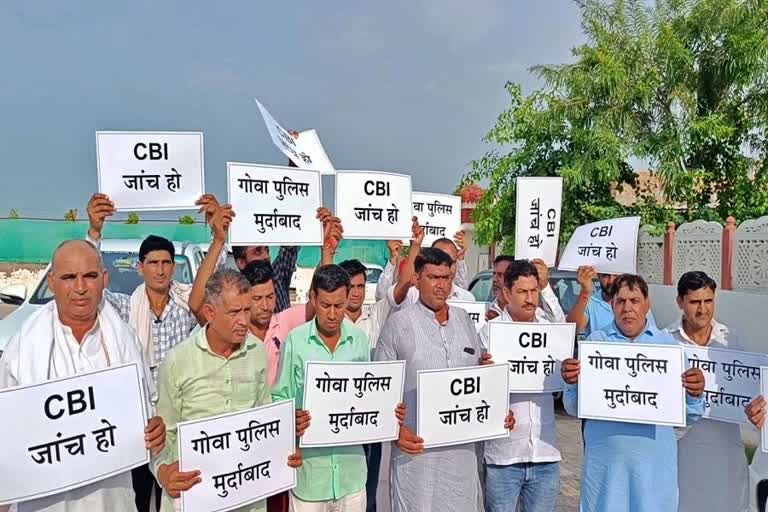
[
  {"x": 719, "y": 331},
  {"x": 346, "y": 335},
  {"x": 648, "y": 330},
  {"x": 431, "y": 314}
]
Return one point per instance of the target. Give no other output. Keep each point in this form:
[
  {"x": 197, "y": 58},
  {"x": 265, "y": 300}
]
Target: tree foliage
[
  {"x": 682, "y": 85},
  {"x": 133, "y": 218},
  {"x": 186, "y": 220}
]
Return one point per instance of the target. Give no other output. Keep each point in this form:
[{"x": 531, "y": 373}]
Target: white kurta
[
  {"x": 29, "y": 358},
  {"x": 712, "y": 466}
]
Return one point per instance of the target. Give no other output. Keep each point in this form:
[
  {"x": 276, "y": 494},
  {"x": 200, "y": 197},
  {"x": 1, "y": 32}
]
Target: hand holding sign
[
  {"x": 208, "y": 205},
  {"x": 99, "y": 208},
  {"x": 302, "y": 421},
  {"x": 756, "y": 411},
  {"x": 417, "y": 234},
  {"x": 461, "y": 242},
  {"x": 693, "y": 382},
  {"x": 154, "y": 435},
  {"x": 174, "y": 482},
  {"x": 221, "y": 221},
  {"x": 570, "y": 370},
  {"x": 585, "y": 276},
  {"x": 408, "y": 442},
  {"x": 509, "y": 421},
  {"x": 542, "y": 271}
]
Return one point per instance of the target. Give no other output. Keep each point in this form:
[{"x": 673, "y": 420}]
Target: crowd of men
[{"x": 232, "y": 341}]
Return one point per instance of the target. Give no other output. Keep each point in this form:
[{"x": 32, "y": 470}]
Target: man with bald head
[{"x": 75, "y": 333}]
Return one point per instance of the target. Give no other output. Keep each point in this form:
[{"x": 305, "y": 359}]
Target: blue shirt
[
  {"x": 600, "y": 314},
  {"x": 629, "y": 467}
]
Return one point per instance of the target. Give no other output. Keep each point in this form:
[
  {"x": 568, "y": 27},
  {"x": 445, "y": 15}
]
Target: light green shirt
[
  {"x": 325, "y": 473},
  {"x": 197, "y": 383}
]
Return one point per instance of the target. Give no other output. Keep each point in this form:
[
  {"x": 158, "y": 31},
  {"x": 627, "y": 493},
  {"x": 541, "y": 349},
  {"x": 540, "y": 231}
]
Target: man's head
[
  {"x": 521, "y": 290},
  {"x": 262, "y": 279},
  {"x": 77, "y": 279},
  {"x": 606, "y": 283},
  {"x": 500, "y": 265},
  {"x": 357, "y": 273},
  {"x": 328, "y": 294},
  {"x": 156, "y": 263},
  {"x": 227, "y": 306},
  {"x": 245, "y": 254},
  {"x": 696, "y": 298},
  {"x": 630, "y": 304},
  {"x": 448, "y": 247},
  {"x": 433, "y": 277}
]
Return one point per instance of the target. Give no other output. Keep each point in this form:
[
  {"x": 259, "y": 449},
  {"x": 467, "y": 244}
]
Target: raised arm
[
  {"x": 460, "y": 280},
  {"x": 387, "y": 276},
  {"x": 404, "y": 282},
  {"x": 577, "y": 314}
]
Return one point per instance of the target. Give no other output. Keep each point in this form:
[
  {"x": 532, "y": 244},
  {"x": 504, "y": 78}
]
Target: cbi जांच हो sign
[
  {"x": 374, "y": 205},
  {"x": 70, "y": 432},
  {"x": 151, "y": 170},
  {"x": 537, "y": 221},
  {"x": 610, "y": 246}
]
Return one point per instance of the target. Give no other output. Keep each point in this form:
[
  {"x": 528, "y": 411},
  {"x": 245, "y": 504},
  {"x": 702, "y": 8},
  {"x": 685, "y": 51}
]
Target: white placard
[
  {"x": 306, "y": 151},
  {"x": 374, "y": 205},
  {"x": 242, "y": 457},
  {"x": 764, "y": 393},
  {"x": 609, "y": 245},
  {"x": 731, "y": 380},
  {"x": 66, "y": 433},
  {"x": 151, "y": 170},
  {"x": 352, "y": 403},
  {"x": 274, "y": 205},
  {"x": 439, "y": 215},
  {"x": 537, "y": 221},
  {"x": 475, "y": 310},
  {"x": 534, "y": 351},
  {"x": 632, "y": 382},
  {"x": 462, "y": 405}
]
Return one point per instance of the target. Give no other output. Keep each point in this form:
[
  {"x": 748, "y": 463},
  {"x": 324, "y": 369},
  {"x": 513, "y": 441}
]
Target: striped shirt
[
  {"x": 283, "y": 268},
  {"x": 445, "y": 478}
]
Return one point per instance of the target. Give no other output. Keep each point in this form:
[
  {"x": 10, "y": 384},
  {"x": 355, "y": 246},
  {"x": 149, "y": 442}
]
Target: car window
[
  {"x": 123, "y": 275},
  {"x": 372, "y": 275},
  {"x": 567, "y": 290},
  {"x": 481, "y": 288}
]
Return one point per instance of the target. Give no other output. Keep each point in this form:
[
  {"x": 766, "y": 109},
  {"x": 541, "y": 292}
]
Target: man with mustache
[
  {"x": 630, "y": 467},
  {"x": 549, "y": 306}
]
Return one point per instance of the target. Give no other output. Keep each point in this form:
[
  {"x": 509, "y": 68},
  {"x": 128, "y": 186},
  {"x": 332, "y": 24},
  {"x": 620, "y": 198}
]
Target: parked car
[
  {"x": 121, "y": 258},
  {"x": 372, "y": 274}
]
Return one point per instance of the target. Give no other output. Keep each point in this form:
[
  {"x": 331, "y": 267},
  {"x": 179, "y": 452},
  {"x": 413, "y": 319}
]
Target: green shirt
[
  {"x": 197, "y": 383},
  {"x": 325, "y": 473}
]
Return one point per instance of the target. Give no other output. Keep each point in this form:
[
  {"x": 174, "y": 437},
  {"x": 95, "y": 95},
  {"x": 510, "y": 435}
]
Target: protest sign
[
  {"x": 305, "y": 151},
  {"x": 731, "y": 380},
  {"x": 609, "y": 245},
  {"x": 70, "y": 432},
  {"x": 475, "y": 310},
  {"x": 534, "y": 352},
  {"x": 274, "y": 205},
  {"x": 439, "y": 215},
  {"x": 632, "y": 382},
  {"x": 151, "y": 170},
  {"x": 374, "y": 205},
  {"x": 352, "y": 403},
  {"x": 537, "y": 221},
  {"x": 462, "y": 405},
  {"x": 242, "y": 457}
]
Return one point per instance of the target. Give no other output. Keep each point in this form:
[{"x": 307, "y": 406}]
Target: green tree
[
  {"x": 186, "y": 219},
  {"x": 133, "y": 218},
  {"x": 682, "y": 85},
  {"x": 70, "y": 215},
  {"x": 13, "y": 214}
]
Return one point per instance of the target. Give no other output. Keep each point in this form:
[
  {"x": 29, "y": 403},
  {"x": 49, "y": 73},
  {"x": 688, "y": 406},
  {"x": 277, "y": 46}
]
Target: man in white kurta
[
  {"x": 712, "y": 466},
  {"x": 78, "y": 332}
]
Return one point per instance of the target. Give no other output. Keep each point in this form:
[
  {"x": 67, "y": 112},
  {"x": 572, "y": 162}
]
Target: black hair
[
  {"x": 503, "y": 257},
  {"x": 353, "y": 268},
  {"x": 517, "y": 269},
  {"x": 238, "y": 251},
  {"x": 259, "y": 272},
  {"x": 156, "y": 243},
  {"x": 694, "y": 280},
  {"x": 432, "y": 256},
  {"x": 330, "y": 278},
  {"x": 631, "y": 281}
]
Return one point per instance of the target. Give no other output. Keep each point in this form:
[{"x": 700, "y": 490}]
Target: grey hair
[
  {"x": 220, "y": 280},
  {"x": 82, "y": 243}
]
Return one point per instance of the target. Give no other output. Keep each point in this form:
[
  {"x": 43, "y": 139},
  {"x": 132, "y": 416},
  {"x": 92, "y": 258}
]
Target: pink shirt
[{"x": 279, "y": 327}]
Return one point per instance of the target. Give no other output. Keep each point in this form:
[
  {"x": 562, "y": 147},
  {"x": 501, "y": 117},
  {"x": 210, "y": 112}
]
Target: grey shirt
[{"x": 445, "y": 478}]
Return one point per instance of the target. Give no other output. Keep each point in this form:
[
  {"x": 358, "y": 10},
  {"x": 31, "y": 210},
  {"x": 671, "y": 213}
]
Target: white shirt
[
  {"x": 711, "y": 464},
  {"x": 386, "y": 277},
  {"x": 534, "y": 438},
  {"x": 551, "y": 311},
  {"x": 372, "y": 319}
]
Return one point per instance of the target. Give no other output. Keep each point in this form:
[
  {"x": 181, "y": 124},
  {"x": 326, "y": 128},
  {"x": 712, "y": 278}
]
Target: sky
[{"x": 408, "y": 86}]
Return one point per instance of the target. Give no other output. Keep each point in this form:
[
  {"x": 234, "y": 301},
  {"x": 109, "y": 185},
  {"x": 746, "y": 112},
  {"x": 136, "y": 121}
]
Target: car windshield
[
  {"x": 123, "y": 275},
  {"x": 481, "y": 288},
  {"x": 567, "y": 290},
  {"x": 372, "y": 275}
]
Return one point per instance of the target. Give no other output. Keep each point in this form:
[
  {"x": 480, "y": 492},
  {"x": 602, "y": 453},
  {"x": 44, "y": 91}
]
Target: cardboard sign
[
  {"x": 242, "y": 457},
  {"x": 609, "y": 245},
  {"x": 151, "y": 170},
  {"x": 352, "y": 403},
  {"x": 731, "y": 380},
  {"x": 374, "y": 205},
  {"x": 70, "y": 432},
  {"x": 537, "y": 223},
  {"x": 274, "y": 205},
  {"x": 632, "y": 382},
  {"x": 306, "y": 151},
  {"x": 462, "y": 405},
  {"x": 439, "y": 215},
  {"x": 534, "y": 351}
]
